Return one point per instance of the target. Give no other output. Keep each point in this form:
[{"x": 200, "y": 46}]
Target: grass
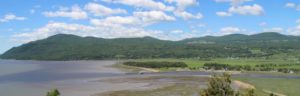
[
  {"x": 289, "y": 87},
  {"x": 194, "y": 63}
]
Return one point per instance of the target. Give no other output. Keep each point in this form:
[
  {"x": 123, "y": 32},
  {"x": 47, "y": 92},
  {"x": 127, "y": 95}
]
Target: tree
[
  {"x": 53, "y": 92},
  {"x": 221, "y": 86},
  {"x": 250, "y": 92},
  {"x": 272, "y": 94}
]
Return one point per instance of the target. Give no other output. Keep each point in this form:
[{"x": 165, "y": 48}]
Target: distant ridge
[{"x": 72, "y": 47}]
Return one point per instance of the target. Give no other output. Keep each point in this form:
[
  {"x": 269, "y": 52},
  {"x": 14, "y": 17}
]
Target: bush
[
  {"x": 218, "y": 66},
  {"x": 53, "y": 92},
  {"x": 153, "y": 64},
  {"x": 215, "y": 66},
  {"x": 221, "y": 86}
]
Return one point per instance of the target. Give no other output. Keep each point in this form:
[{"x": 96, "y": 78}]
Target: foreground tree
[
  {"x": 221, "y": 86},
  {"x": 53, "y": 92}
]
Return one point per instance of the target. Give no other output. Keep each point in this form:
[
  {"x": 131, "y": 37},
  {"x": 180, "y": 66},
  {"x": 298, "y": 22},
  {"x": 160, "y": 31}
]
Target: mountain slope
[{"x": 71, "y": 47}]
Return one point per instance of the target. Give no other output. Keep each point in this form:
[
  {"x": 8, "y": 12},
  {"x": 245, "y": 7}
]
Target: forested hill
[{"x": 71, "y": 47}]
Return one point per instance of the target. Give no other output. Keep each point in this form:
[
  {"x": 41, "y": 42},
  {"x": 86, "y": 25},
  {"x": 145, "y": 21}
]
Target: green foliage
[
  {"x": 70, "y": 47},
  {"x": 218, "y": 66},
  {"x": 221, "y": 86},
  {"x": 215, "y": 66},
  {"x": 279, "y": 67},
  {"x": 250, "y": 92},
  {"x": 272, "y": 94},
  {"x": 153, "y": 64},
  {"x": 53, "y": 92}
]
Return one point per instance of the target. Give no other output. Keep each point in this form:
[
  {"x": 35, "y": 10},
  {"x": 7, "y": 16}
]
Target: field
[
  {"x": 253, "y": 62},
  {"x": 231, "y": 61},
  {"x": 288, "y": 87}
]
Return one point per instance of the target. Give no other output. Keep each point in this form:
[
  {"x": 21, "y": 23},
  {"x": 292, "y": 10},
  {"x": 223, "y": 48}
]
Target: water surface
[{"x": 34, "y": 78}]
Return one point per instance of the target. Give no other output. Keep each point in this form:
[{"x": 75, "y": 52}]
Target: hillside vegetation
[{"x": 71, "y": 47}]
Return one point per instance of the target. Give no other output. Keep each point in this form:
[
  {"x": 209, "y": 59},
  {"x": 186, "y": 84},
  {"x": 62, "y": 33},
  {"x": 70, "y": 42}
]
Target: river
[{"x": 35, "y": 78}]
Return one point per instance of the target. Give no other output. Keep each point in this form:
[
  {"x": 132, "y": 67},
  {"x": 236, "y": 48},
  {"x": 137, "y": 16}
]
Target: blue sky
[{"x": 24, "y": 21}]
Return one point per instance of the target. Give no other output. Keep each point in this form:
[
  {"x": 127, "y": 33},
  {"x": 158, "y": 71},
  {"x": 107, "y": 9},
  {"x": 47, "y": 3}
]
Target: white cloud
[
  {"x": 180, "y": 34},
  {"x": 103, "y": 31},
  {"x": 176, "y": 31},
  {"x": 32, "y": 11},
  {"x": 262, "y": 24},
  {"x": 275, "y": 29},
  {"x": 223, "y": 14},
  {"x": 109, "y": 27},
  {"x": 100, "y": 10},
  {"x": 234, "y": 2},
  {"x": 153, "y": 16},
  {"x": 10, "y": 17},
  {"x": 229, "y": 30},
  {"x": 237, "y": 7},
  {"x": 147, "y": 4},
  {"x": 117, "y": 21},
  {"x": 186, "y": 15},
  {"x": 247, "y": 10},
  {"x": 182, "y": 4},
  {"x": 290, "y": 5},
  {"x": 52, "y": 29},
  {"x": 141, "y": 18},
  {"x": 75, "y": 12},
  {"x": 294, "y": 30},
  {"x": 298, "y": 21}
]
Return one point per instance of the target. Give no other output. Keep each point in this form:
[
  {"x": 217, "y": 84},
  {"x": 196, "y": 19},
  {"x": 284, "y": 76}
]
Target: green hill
[{"x": 71, "y": 47}]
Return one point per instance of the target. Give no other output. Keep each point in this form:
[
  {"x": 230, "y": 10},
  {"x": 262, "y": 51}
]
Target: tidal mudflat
[
  {"x": 74, "y": 78},
  {"x": 35, "y": 78}
]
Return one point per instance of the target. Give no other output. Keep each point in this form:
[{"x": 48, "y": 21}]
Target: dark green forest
[{"x": 71, "y": 47}]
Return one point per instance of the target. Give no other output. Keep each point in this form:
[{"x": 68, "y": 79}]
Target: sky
[{"x": 22, "y": 21}]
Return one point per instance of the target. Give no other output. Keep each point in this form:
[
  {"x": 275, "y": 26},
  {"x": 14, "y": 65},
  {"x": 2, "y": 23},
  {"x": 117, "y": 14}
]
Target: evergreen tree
[{"x": 53, "y": 92}]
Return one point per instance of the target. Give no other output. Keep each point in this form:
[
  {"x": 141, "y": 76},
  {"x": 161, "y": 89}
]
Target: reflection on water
[
  {"x": 45, "y": 71},
  {"x": 10, "y": 67},
  {"x": 34, "y": 78}
]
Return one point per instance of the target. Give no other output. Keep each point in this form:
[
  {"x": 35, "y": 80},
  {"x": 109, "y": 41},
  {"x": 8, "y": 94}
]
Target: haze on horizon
[{"x": 21, "y": 22}]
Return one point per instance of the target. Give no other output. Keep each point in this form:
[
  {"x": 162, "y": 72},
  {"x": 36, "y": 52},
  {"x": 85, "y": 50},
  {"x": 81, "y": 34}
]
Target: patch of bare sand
[
  {"x": 149, "y": 69},
  {"x": 243, "y": 85}
]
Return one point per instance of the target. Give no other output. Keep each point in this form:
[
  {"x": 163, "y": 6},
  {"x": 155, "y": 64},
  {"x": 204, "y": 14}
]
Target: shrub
[
  {"x": 221, "y": 86},
  {"x": 153, "y": 64},
  {"x": 215, "y": 66},
  {"x": 53, "y": 92}
]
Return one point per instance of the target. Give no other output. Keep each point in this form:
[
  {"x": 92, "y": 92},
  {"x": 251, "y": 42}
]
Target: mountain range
[{"x": 71, "y": 47}]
